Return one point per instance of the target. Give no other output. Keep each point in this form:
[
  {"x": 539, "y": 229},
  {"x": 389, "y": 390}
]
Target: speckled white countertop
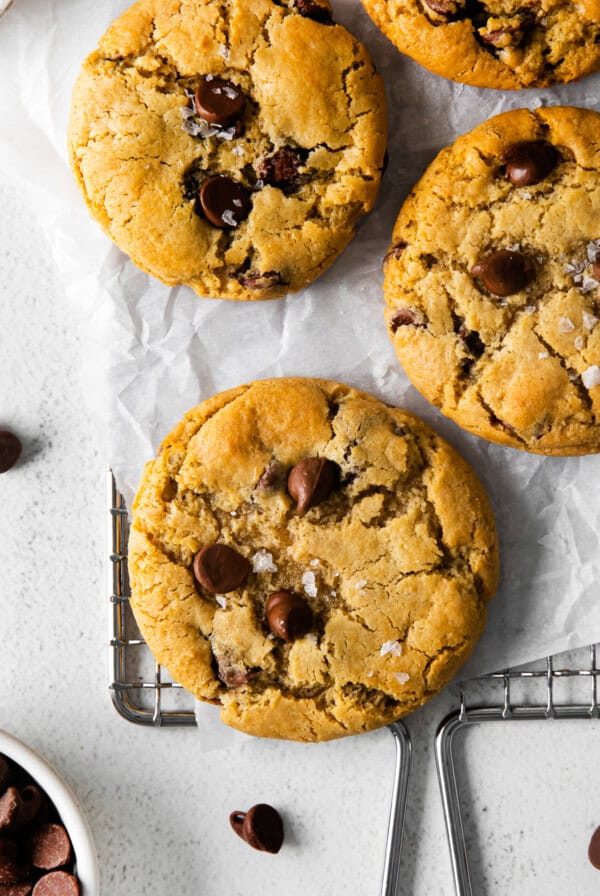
[{"x": 158, "y": 804}]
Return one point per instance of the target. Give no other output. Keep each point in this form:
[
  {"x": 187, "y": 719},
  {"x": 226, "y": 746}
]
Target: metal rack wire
[
  {"x": 140, "y": 687},
  {"x": 536, "y": 699}
]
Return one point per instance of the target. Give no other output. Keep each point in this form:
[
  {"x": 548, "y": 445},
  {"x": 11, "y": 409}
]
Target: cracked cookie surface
[
  {"x": 306, "y": 149},
  {"x": 523, "y": 368},
  {"x": 504, "y": 44},
  {"x": 396, "y": 562}
]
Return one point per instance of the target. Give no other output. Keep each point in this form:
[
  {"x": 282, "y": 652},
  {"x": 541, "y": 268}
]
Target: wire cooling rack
[
  {"x": 143, "y": 692},
  {"x": 564, "y": 687}
]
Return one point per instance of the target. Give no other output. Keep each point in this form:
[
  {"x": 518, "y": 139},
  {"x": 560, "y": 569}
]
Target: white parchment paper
[{"x": 153, "y": 352}]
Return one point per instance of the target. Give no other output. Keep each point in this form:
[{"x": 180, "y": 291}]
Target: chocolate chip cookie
[
  {"x": 231, "y": 147},
  {"x": 492, "y": 282},
  {"x": 313, "y": 561},
  {"x": 506, "y": 44}
]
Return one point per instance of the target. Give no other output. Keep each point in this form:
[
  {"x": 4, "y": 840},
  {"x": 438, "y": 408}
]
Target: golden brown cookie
[
  {"x": 312, "y": 560},
  {"x": 229, "y": 146},
  {"x": 492, "y": 282},
  {"x": 506, "y": 44}
]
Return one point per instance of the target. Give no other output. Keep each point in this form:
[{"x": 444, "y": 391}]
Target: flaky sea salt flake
[
  {"x": 360, "y": 585},
  {"x": 401, "y": 677},
  {"x": 314, "y": 562},
  {"x": 229, "y": 218},
  {"x": 565, "y": 325},
  {"x": 309, "y": 584},
  {"x": 588, "y": 284},
  {"x": 223, "y": 51},
  {"x": 591, "y": 377},
  {"x": 589, "y": 320},
  {"x": 393, "y": 647},
  {"x": 543, "y": 355},
  {"x": 262, "y": 561},
  {"x": 222, "y": 601},
  {"x": 578, "y": 343}
]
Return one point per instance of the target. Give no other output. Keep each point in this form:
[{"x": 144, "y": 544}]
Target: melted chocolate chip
[
  {"x": 311, "y": 9},
  {"x": 220, "y": 569},
  {"x": 10, "y": 450},
  {"x": 312, "y": 481},
  {"x": 395, "y": 252},
  {"x": 219, "y": 102},
  {"x": 258, "y": 281},
  {"x": 446, "y": 9},
  {"x": 261, "y": 827},
  {"x": 231, "y": 675},
  {"x": 529, "y": 162},
  {"x": 510, "y": 34},
  {"x": 472, "y": 340},
  {"x": 405, "y": 317},
  {"x": 273, "y": 477},
  {"x": 281, "y": 168},
  {"x": 596, "y": 270},
  {"x": 289, "y": 616},
  {"x": 504, "y": 272},
  {"x": 224, "y": 201}
]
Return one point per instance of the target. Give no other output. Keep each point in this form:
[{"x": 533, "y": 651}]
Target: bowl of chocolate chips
[{"x": 46, "y": 847}]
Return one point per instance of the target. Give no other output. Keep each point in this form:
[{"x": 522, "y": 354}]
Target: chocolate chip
[
  {"x": 281, "y": 168},
  {"x": 10, "y": 805},
  {"x": 596, "y": 270},
  {"x": 405, "y": 317},
  {"x": 10, "y": 450},
  {"x": 219, "y": 102},
  {"x": 594, "y": 849},
  {"x": 311, "y": 9},
  {"x": 395, "y": 252},
  {"x": 312, "y": 481},
  {"x": 273, "y": 476},
  {"x": 288, "y": 615},
  {"x": 220, "y": 569},
  {"x": 58, "y": 883},
  {"x": 11, "y": 870},
  {"x": 50, "y": 847},
  {"x": 529, "y": 162},
  {"x": 224, "y": 201},
  {"x": 504, "y": 272},
  {"x": 261, "y": 827},
  {"x": 231, "y": 675},
  {"x": 446, "y": 9},
  {"x": 32, "y": 803},
  {"x": 4, "y": 773},
  {"x": 258, "y": 281},
  {"x": 511, "y": 33},
  {"x": 472, "y": 340},
  {"x": 16, "y": 889}
]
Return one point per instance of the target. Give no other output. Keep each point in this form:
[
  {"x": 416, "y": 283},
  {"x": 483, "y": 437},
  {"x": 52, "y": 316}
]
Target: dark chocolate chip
[
  {"x": 311, "y": 9},
  {"x": 529, "y": 162},
  {"x": 404, "y": 317},
  {"x": 395, "y": 251},
  {"x": 596, "y": 270},
  {"x": 50, "y": 847},
  {"x": 10, "y": 806},
  {"x": 231, "y": 675},
  {"x": 219, "y": 102},
  {"x": 4, "y": 773},
  {"x": 504, "y": 272},
  {"x": 288, "y": 615},
  {"x": 258, "y": 281},
  {"x": 272, "y": 477},
  {"x": 10, "y": 450},
  {"x": 58, "y": 883},
  {"x": 224, "y": 201},
  {"x": 220, "y": 569},
  {"x": 312, "y": 481},
  {"x": 446, "y": 9},
  {"x": 594, "y": 849},
  {"x": 261, "y": 827},
  {"x": 509, "y": 34},
  {"x": 472, "y": 340},
  {"x": 281, "y": 168},
  {"x": 16, "y": 889},
  {"x": 32, "y": 802},
  {"x": 11, "y": 870}
]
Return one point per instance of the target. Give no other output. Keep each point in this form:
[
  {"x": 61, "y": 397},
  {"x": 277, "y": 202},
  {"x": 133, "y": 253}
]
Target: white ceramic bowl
[{"x": 66, "y": 806}]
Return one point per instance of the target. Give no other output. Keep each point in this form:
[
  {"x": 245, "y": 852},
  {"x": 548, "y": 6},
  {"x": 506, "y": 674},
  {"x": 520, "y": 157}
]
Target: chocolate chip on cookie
[
  {"x": 405, "y": 317},
  {"x": 255, "y": 280},
  {"x": 312, "y": 9},
  {"x": 219, "y": 102},
  {"x": 529, "y": 162},
  {"x": 10, "y": 450},
  {"x": 220, "y": 569},
  {"x": 225, "y": 202},
  {"x": 281, "y": 168},
  {"x": 446, "y": 10},
  {"x": 261, "y": 827},
  {"x": 312, "y": 481},
  {"x": 289, "y": 616},
  {"x": 504, "y": 272}
]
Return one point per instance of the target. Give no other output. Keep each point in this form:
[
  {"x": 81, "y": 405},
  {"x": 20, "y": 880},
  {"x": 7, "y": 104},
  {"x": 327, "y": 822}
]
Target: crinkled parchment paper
[{"x": 153, "y": 352}]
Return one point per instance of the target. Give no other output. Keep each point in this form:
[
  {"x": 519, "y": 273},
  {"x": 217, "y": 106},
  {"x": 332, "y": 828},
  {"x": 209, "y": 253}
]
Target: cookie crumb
[
  {"x": 393, "y": 647},
  {"x": 262, "y": 561}
]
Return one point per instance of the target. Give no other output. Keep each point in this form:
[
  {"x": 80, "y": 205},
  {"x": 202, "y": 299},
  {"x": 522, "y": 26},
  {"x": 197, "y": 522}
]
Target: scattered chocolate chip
[
  {"x": 594, "y": 849},
  {"x": 311, "y": 9},
  {"x": 50, "y": 847},
  {"x": 289, "y": 616},
  {"x": 231, "y": 675},
  {"x": 504, "y": 272},
  {"x": 273, "y": 476},
  {"x": 281, "y": 168},
  {"x": 472, "y": 340},
  {"x": 529, "y": 162},
  {"x": 10, "y": 806},
  {"x": 258, "y": 281},
  {"x": 220, "y": 569},
  {"x": 219, "y": 102},
  {"x": 395, "y": 251},
  {"x": 10, "y": 450},
  {"x": 312, "y": 481},
  {"x": 261, "y": 827},
  {"x": 11, "y": 870},
  {"x": 58, "y": 883},
  {"x": 224, "y": 201},
  {"x": 404, "y": 317}
]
